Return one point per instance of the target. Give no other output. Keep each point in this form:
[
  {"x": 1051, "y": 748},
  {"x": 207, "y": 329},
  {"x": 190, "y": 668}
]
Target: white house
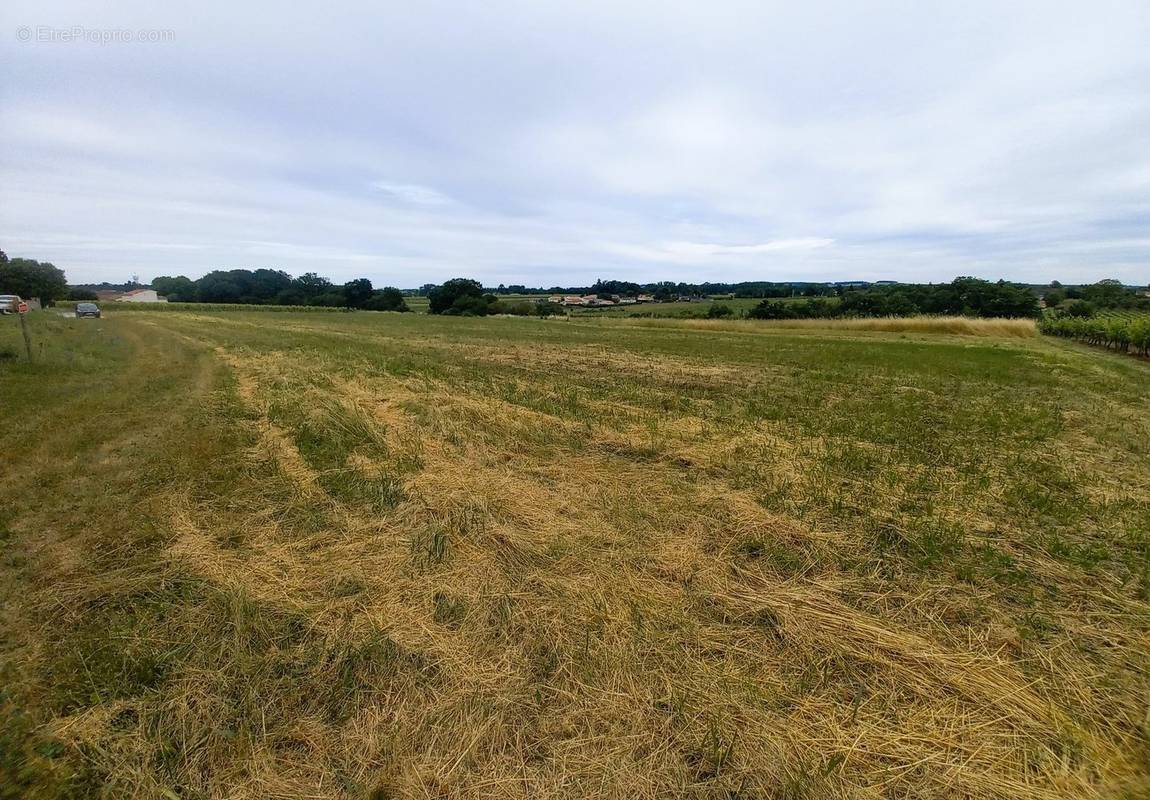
[{"x": 141, "y": 296}]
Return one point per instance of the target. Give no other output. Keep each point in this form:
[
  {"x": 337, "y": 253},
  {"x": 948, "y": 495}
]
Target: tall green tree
[
  {"x": 311, "y": 285},
  {"x": 219, "y": 286},
  {"x": 356, "y": 293},
  {"x": 29, "y": 278},
  {"x": 457, "y": 296},
  {"x": 178, "y": 289},
  {"x": 265, "y": 285}
]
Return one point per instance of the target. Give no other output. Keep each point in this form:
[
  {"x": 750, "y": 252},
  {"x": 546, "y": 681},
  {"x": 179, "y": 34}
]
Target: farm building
[{"x": 140, "y": 296}]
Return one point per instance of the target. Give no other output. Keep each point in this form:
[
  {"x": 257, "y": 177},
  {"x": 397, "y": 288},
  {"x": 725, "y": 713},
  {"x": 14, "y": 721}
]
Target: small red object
[{"x": 22, "y": 308}]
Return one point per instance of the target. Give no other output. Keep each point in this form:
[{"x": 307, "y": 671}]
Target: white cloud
[
  {"x": 412, "y": 193},
  {"x": 526, "y": 142},
  {"x": 705, "y": 252}
]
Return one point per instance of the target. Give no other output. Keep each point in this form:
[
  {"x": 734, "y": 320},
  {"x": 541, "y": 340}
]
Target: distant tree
[
  {"x": 545, "y": 309},
  {"x": 985, "y": 299},
  {"x": 474, "y": 306},
  {"x": 264, "y": 285},
  {"x": 219, "y": 286},
  {"x": 458, "y": 296},
  {"x": 771, "y": 309},
  {"x": 178, "y": 289},
  {"x": 79, "y": 293},
  {"x": 358, "y": 292},
  {"x": 966, "y": 296},
  {"x": 311, "y": 285},
  {"x": 1110, "y": 293},
  {"x": 1078, "y": 308},
  {"x": 334, "y": 299},
  {"x": 606, "y": 289},
  {"x": 291, "y": 297},
  {"x": 387, "y": 299},
  {"x": 29, "y": 278}
]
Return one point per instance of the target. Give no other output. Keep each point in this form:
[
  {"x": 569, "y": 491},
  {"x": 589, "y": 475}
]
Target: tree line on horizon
[
  {"x": 466, "y": 297},
  {"x": 1105, "y": 292},
  {"x": 964, "y": 296},
  {"x": 276, "y": 287}
]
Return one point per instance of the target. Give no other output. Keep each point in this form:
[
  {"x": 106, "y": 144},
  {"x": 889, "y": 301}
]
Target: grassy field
[{"x": 251, "y": 555}]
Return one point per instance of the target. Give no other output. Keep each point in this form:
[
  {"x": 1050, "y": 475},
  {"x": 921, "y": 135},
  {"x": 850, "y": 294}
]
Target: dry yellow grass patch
[
  {"x": 590, "y": 633},
  {"x": 460, "y": 567},
  {"x": 962, "y": 326}
]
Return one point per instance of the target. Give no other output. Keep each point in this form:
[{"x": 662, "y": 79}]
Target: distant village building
[
  {"x": 140, "y": 296},
  {"x": 595, "y": 300}
]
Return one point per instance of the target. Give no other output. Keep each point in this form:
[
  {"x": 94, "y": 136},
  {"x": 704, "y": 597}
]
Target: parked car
[
  {"x": 87, "y": 310},
  {"x": 8, "y": 303}
]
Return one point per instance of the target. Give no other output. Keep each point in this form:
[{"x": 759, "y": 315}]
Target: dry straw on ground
[
  {"x": 457, "y": 575},
  {"x": 961, "y": 326}
]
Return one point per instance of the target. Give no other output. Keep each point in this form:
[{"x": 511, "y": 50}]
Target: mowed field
[{"x": 297, "y": 555}]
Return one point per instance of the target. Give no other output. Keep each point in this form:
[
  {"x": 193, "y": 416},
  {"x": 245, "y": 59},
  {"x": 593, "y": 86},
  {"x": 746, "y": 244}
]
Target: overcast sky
[{"x": 552, "y": 143}]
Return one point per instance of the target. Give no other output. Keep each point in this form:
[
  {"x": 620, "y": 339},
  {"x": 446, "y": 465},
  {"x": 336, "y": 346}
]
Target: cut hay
[
  {"x": 958, "y": 326},
  {"x": 507, "y": 558}
]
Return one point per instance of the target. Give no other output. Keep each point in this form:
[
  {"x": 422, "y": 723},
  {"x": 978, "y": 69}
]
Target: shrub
[
  {"x": 546, "y": 309},
  {"x": 457, "y": 296},
  {"x": 387, "y": 299},
  {"x": 1078, "y": 308}
]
